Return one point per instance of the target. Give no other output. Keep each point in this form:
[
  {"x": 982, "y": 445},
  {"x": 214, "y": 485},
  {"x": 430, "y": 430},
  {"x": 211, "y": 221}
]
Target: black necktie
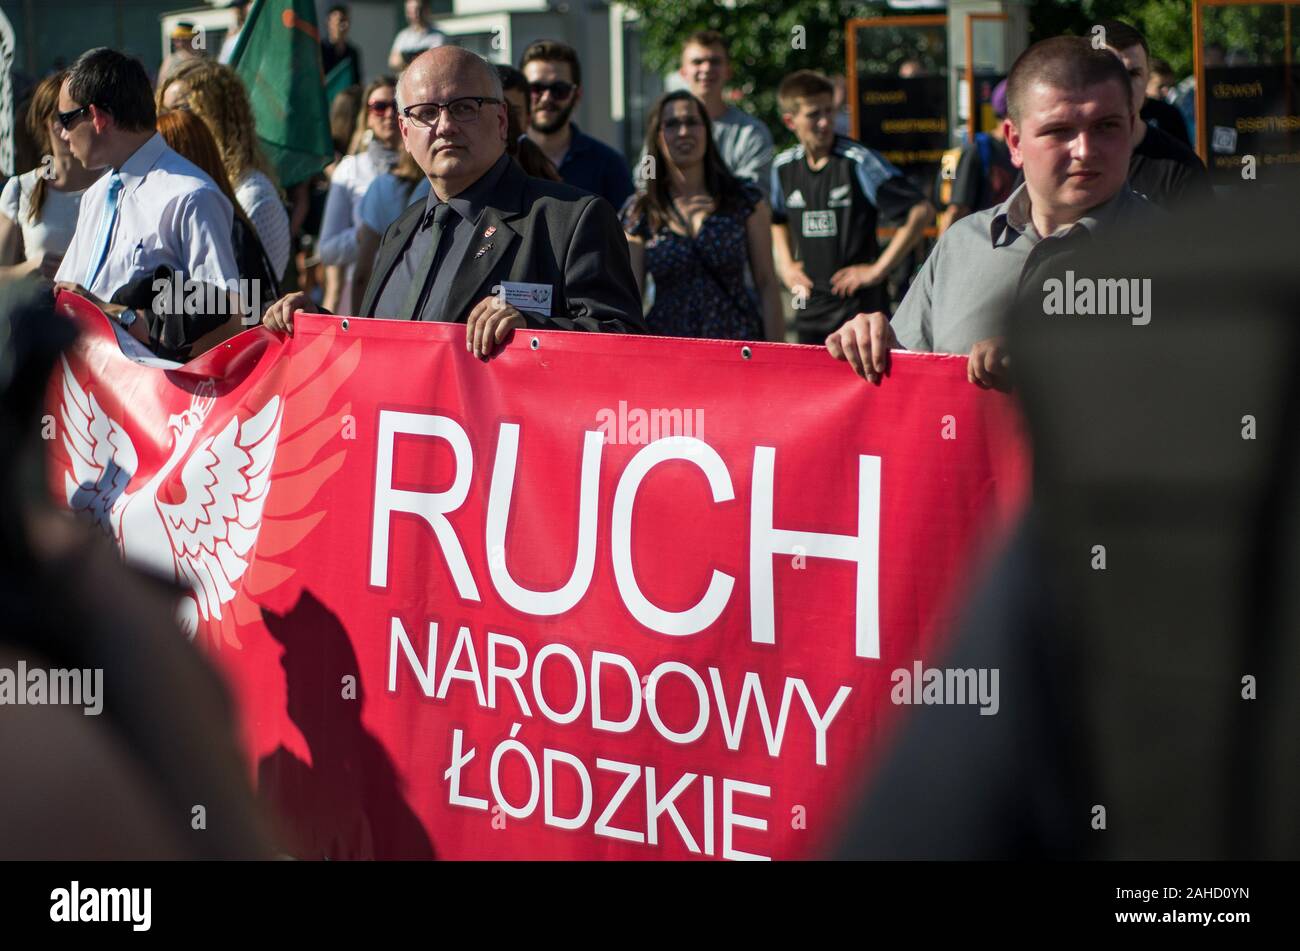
[{"x": 423, "y": 282}]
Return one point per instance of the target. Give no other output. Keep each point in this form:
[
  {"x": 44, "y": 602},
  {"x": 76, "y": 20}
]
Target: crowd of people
[{"x": 462, "y": 191}]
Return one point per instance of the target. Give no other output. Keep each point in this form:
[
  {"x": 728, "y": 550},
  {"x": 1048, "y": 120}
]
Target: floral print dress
[{"x": 689, "y": 300}]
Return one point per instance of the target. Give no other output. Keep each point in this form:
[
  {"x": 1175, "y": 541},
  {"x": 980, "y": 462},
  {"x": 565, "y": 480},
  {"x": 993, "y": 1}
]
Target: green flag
[
  {"x": 278, "y": 58},
  {"x": 343, "y": 75}
]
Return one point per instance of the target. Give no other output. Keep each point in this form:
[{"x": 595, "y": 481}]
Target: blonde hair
[
  {"x": 360, "y": 138},
  {"x": 218, "y": 97}
]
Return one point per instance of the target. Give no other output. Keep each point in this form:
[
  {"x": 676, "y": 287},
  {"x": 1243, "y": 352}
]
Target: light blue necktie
[{"x": 105, "y": 236}]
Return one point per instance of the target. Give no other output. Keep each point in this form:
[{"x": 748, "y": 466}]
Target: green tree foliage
[
  {"x": 762, "y": 36},
  {"x": 1166, "y": 24},
  {"x": 1254, "y": 33}
]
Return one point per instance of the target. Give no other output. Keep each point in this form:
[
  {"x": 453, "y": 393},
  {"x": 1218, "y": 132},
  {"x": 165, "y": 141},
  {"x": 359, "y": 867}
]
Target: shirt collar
[
  {"x": 578, "y": 143},
  {"x": 1014, "y": 214},
  {"x": 470, "y": 202},
  {"x": 143, "y": 159}
]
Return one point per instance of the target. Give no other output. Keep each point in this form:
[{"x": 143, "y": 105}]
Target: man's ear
[
  {"x": 787, "y": 118},
  {"x": 99, "y": 118},
  {"x": 1012, "y": 137}
]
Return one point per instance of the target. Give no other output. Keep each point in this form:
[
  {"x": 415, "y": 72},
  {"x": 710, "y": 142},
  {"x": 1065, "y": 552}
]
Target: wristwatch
[{"x": 127, "y": 317}]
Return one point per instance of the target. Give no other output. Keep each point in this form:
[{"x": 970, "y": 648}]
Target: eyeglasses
[
  {"x": 465, "y": 109},
  {"x": 559, "y": 90},
  {"x": 672, "y": 125},
  {"x": 69, "y": 119},
  {"x": 382, "y": 107}
]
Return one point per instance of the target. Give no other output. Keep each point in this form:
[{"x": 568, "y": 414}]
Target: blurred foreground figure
[
  {"x": 1144, "y": 619},
  {"x": 147, "y": 766}
]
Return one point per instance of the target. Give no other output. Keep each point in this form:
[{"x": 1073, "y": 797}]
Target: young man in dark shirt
[
  {"x": 1161, "y": 115},
  {"x": 827, "y": 193},
  {"x": 985, "y": 175},
  {"x": 1162, "y": 168},
  {"x": 335, "y": 48},
  {"x": 554, "y": 77}
]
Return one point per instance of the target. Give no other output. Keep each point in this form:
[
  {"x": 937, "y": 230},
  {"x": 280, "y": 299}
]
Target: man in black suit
[{"x": 491, "y": 247}]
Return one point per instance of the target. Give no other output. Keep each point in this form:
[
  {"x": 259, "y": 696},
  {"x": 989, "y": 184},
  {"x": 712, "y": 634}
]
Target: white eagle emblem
[{"x": 203, "y": 542}]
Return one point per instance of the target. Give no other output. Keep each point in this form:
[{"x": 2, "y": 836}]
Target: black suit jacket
[{"x": 546, "y": 233}]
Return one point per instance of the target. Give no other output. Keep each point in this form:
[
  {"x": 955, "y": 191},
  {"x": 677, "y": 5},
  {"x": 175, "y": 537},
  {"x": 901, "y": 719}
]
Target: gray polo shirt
[
  {"x": 468, "y": 205},
  {"x": 965, "y": 290},
  {"x": 745, "y": 145}
]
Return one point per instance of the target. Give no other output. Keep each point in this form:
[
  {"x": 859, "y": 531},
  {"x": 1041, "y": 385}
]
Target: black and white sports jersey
[{"x": 831, "y": 215}]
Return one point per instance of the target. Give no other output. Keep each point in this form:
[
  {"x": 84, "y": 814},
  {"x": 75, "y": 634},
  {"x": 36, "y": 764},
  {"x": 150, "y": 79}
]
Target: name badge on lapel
[{"x": 534, "y": 297}]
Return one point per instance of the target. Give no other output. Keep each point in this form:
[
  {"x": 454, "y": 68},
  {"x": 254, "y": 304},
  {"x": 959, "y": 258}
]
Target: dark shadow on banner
[{"x": 348, "y": 804}]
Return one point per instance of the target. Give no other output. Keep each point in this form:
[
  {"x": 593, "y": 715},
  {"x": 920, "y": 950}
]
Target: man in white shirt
[
  {"x": 154, "y": 213},
  {"x": 418, "y": 36},
  {"x": 232, "y": 38},
  {"x": 743, "y": 140}
]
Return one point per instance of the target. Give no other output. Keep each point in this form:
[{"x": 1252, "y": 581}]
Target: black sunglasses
[
  {"x": 68, "y": 119},
  {"x": 559, "y": 90}
]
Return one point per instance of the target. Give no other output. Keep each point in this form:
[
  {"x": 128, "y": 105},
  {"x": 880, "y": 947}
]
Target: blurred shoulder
[
  {"x": 786, "y": 156},
  {"x": 860, "y": 155},
  {"x": 557, "y": 196}
]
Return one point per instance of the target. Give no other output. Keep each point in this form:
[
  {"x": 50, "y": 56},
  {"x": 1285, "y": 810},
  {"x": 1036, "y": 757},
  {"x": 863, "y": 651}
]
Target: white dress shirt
[
  {"x": 169, "y": 213},
  {"x": 414, "y": 40}
]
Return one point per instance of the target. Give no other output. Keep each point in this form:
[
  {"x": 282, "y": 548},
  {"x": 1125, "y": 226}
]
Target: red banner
[{"x": 596, "y": 597}]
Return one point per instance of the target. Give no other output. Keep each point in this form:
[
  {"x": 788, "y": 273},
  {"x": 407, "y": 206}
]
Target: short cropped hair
[
  {"x": 803, "y": 84},
  {"x": 553, "y": 51},
  {"x": 708, "y": 39},
  {"x": 117, "y": 84},
  {"x": 340, "y": 8},
  {"x": 1161, "y": 67},
  {"x": 1063, "y": 62},
  {"x": 1119, "y": 35}
]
